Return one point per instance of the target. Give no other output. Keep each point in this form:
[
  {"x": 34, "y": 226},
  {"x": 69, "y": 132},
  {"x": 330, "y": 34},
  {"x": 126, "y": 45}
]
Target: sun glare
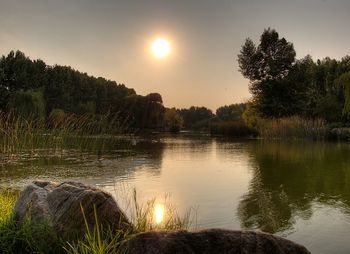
[
  {"x": 159, "y": 213},
  {"x": 160, "y": 48}
]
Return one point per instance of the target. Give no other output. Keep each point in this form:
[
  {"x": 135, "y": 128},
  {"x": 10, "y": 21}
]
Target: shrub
[
  {"x": 28, "y": 104},
  {"x": 236, "y": 128}
]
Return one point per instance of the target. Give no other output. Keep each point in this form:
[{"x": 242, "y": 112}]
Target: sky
[{"x": 112, "y": 39}]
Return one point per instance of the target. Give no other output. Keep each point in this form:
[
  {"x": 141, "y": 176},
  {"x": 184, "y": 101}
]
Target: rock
[
  {"x": 59, "y": 205},
  {"x": 211, "y": 241}
]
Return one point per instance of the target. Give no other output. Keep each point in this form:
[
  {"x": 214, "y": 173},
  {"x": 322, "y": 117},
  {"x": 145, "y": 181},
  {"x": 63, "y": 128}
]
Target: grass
[
  {"x": 40, "y": 238},
  {"x": 97, "y": 240},
  {"x": 143, "y": 219},
  {"x": 27, "y": 238},
  {"x": 19, "y": 135},
  {"x": 294, "y": 127}
]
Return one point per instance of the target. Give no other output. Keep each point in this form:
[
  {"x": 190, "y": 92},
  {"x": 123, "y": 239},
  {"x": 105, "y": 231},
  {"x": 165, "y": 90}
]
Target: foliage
[
  {"x": 344, "y": 82},
  {"x": 292, "y": 128},
  {"x": 173, "y": 120},
  {"x": 20, "y": 135},
  {"x": 266, "y": 65},
  {"x": 282, "y": 86},
  {"x": 251, "y": 116},
  {"x": 236, "y": 128},
  {"x": 57, "y": 117},
  {"x": 270, "y": 60},
  {"x": 28, "y": 104},
  {"x": 143, "y": 216},
  {"x": 196, "y": 117},
  {"x": 26, "y": 237},
  {"x": 32, "y": 87},
  {"x": 97, "y": 240},
  {"x": 7, "y": 201},
  {"x": 231, "y": 112}
]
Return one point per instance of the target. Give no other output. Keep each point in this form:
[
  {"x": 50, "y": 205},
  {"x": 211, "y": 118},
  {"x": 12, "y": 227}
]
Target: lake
[{"x": 298, "y": 190}]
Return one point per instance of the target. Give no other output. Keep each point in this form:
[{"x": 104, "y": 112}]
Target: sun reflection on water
[{"x": 159, "y": 213}]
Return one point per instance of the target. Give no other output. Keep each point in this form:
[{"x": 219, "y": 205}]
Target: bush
[
  {"x": 236, "y": 128},
  {"x": 57, "y": 117},
  {"x": 28, "y": 104}
]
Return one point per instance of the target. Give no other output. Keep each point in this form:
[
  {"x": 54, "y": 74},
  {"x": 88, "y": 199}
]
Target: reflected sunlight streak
[{"x": 159, "y": 213}]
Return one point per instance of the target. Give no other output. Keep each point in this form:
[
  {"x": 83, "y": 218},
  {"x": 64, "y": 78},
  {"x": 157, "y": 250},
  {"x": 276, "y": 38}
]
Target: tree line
[
  {"x": 33, "y": 89},
  {"x": 283, "y": 86}
]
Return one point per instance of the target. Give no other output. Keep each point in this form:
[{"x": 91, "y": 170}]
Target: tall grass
[
  {"x": 29, "y": 237},
  {"x": 143, "y": 219},
  {"x": 18, "y": 134},
  {"x": 7, "y": 201},
  {"x": 294, "y": 127},
  {"x": 97, "y": 240},
  {"x": 143, "y": 216}
]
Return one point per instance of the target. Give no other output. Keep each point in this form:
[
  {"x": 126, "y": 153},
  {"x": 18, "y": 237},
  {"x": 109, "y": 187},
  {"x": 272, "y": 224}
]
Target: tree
[
  {"x": 266, "y": 66},
  {"x": 28, "y": 104},
  {"x": 270, "y": 60},
  {"x": 154, "y": 111},
  {"x": 196, "y": 117},
  {"x": 344, "y": 82},
  {"x": 231, "y": 112},
  {"x": 172, "y": 120}
]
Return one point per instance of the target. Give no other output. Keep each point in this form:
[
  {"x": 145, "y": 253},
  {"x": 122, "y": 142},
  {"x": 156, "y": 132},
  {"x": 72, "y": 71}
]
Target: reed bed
[
  {"x": 294, "y": 127},
  {"x": 29, "y": 135}
]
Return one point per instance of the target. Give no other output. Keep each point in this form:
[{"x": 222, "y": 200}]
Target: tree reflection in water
[{"x": 289, "y": 177}]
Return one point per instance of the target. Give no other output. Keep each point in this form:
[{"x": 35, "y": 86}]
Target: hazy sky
[{"x": 111, "y": 38}]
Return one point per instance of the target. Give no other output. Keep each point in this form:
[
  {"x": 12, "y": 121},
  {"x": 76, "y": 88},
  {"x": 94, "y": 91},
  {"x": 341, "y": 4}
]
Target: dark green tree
[
  {"x": 344, "y": 82},
  {"x": 28, "y": 104},
  {"x": 231, "y": 112},
  {"x": 266, "y": 66},
  {"x": 196, "y": 117}
]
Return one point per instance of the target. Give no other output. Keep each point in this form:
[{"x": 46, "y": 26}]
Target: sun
[{"x": 160, "y": 48}]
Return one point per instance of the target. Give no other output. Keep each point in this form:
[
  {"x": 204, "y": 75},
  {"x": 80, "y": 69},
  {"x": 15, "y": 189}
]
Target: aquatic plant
[
  {"x": 294, "y": 127},
  {"x": 18, "y": 134}
]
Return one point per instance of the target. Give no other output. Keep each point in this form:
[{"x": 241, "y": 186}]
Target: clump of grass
[
  {"x": 294, "y": 127},
  {"x": 7, "y": 201},
  {"x": 97, "y": 240},
  {"x": 26, "y": 237},
  {"x": 231, "y": 128},
  {"x": 144, "y": 216},
  {"x": 105, "y": 241}
]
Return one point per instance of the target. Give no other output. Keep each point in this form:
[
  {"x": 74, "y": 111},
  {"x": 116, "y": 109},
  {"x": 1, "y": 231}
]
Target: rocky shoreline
[{"x": 70, "y": 207}]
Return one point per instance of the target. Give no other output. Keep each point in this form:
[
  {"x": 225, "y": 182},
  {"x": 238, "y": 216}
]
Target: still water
[{"x": 298, "y": 190}]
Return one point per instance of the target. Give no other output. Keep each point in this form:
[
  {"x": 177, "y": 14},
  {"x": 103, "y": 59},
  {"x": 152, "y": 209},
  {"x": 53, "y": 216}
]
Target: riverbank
[
  {"x": 32, "y": 237},
  {"x": 29, "y": 225}
]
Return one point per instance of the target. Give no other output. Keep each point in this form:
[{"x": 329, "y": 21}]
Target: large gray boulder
[
  {"x": 211, "y": 241},
  {"x": 60, "y": 205}
]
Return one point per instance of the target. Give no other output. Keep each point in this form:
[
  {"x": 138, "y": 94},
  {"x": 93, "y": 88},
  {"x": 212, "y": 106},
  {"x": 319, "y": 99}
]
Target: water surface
[{"x": 298, "y": 190}]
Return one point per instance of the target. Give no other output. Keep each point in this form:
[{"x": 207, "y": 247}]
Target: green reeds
[
  {"x": 294, "y": 127},
  {"x": 85, "y": 133}
]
